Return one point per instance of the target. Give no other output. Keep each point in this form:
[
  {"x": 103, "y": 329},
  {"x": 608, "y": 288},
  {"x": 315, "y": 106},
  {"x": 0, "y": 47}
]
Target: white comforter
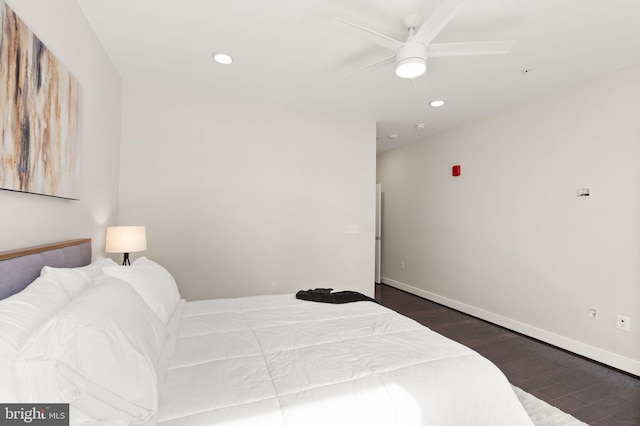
[{"x": 275, "y": 360}]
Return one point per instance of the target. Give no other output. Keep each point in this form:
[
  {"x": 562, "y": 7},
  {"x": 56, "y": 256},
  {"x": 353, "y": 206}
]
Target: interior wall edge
[{"x": 597, "y": 354}]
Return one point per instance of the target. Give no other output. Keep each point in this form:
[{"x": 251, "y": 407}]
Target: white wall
[
  {"x": 508, "y": 240},
  {"x": 27, "y": 219},
  {"x": 240, "y": 199}
]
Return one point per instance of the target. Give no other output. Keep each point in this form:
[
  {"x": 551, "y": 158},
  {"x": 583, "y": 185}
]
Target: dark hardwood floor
[{"x": 594, "y": 393}]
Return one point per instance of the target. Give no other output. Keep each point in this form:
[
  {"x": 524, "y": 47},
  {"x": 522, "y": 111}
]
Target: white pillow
[
  {"x": 21, "y": 315},
  {"x": 99, "y": 353},
  {"x": 75, "y": 280},
  {"x": 153, "y": 282}
]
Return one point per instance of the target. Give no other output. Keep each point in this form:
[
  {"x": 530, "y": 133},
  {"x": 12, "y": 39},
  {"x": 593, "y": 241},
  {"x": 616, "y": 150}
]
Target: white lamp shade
[{"x": 126, "y": 239}]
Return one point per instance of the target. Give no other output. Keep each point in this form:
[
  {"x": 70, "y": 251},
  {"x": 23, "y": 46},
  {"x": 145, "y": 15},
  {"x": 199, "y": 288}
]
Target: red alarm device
[{"x": 455, "y": 170}]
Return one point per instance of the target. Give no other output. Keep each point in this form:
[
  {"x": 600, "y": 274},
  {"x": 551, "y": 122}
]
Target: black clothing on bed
[{"x": 325, "y": 295}]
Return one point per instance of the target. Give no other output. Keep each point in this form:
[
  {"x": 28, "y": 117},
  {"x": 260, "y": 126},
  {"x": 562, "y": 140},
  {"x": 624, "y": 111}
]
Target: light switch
[
  {"x": 352, "y": 229},
  {"x": 582, "y": 192}
]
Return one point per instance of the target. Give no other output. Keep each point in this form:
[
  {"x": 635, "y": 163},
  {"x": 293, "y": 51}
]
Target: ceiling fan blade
[
  {"x": 373, "y": 36},
  {"x": 371, "y": 67},
  {"x": 437, "y": 20},
  {"x": 470, "y": 48}
]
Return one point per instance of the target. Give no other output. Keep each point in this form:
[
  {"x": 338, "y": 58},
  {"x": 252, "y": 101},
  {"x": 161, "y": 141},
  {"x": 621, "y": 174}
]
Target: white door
[{"x": 378, "y": 231}]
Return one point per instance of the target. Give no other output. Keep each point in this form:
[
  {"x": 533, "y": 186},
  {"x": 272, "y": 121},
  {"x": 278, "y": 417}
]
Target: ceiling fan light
[{"x": 411, "y": 67}]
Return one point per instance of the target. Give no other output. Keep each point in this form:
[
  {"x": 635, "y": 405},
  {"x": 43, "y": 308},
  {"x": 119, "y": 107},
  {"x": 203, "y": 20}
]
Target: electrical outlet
[
  {"x": 592, "y": 313},
  {"x": 623, "y": 323},
  {"x": 402, "y": 266}
]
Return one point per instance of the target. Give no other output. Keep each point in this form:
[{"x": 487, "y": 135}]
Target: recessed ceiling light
[
  {"x": 393, "y": 136},
  {"x": 222, "y": 58},
  {"x": 420, "y": 126},
  {"x": 436, "y": 104}
]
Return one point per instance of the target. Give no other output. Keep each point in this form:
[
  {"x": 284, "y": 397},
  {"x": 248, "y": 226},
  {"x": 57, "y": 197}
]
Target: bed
[{"x": 121, "y": 347}]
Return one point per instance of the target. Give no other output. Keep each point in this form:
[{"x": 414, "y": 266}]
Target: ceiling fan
[{"x": 411, "y": 55}]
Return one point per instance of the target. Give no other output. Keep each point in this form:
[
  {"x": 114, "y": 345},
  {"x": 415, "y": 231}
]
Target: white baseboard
[{"x": 597, "y": 354}]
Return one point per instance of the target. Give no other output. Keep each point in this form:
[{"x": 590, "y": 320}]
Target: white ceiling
[{"x": 291, "y": 53}]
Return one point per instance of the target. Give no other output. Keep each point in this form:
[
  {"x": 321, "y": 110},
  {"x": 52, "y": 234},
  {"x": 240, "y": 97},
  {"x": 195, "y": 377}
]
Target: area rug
[{"x": 544, "y": 414}]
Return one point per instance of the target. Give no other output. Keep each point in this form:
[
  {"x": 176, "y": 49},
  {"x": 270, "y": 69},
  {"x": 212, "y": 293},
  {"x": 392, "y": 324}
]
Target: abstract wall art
[{"x": 40, "y": 146}]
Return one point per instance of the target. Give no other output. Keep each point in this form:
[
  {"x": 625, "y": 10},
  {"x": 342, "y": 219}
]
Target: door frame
[{"x": 378, "y": 235}]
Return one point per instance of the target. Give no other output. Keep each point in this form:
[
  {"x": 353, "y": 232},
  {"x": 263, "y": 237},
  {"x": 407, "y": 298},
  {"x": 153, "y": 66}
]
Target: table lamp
[{"x": 126, "y": 239}]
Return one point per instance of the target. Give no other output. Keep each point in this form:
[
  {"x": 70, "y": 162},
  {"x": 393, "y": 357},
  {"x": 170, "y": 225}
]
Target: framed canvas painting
[{"x": 39, "y": 115}]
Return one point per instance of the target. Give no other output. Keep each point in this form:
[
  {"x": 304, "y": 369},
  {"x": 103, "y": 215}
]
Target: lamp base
[{"x": 126, "y": 260}]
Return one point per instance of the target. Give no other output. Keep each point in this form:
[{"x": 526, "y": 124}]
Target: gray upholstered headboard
[{"x": 19, "y": 268}]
